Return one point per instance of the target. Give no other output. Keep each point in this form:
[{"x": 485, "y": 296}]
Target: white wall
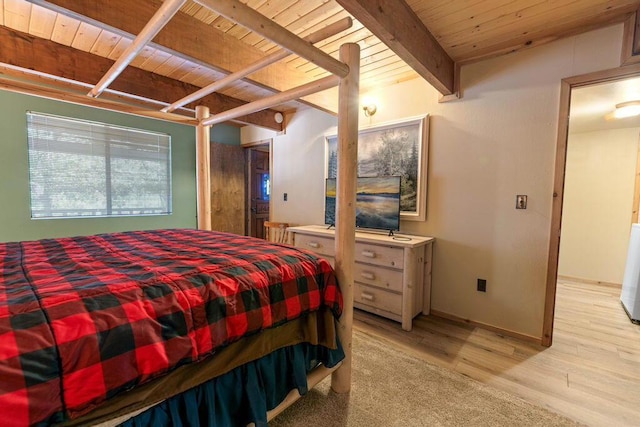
[
  {"x": 498, "y": 141},
  {"x": 598, "y": 198}
]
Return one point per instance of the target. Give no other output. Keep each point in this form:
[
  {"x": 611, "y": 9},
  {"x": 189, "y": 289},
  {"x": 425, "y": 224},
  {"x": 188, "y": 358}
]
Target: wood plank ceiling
[{"x": 467, "y": 31}]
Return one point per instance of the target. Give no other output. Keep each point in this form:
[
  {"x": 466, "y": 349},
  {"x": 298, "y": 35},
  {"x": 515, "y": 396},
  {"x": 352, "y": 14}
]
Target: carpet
[{"x": 392, "y": 388}]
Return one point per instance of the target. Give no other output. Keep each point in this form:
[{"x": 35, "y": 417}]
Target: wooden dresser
[{"x": 392, "y": 276}]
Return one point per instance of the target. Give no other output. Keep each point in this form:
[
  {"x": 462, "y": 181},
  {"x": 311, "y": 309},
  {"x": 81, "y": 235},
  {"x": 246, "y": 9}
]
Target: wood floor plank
[{"x": 590, "y": 374}]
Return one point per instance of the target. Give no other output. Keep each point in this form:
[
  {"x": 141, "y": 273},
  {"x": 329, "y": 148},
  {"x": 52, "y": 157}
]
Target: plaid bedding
[{"x": 84, "y": 318}]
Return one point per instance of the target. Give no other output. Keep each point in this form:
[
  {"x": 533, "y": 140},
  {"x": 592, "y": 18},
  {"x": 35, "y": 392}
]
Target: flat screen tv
[{"x": 377, "y": 202}]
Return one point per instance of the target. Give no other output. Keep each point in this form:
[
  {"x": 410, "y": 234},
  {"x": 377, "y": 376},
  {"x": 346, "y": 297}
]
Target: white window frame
[{"x": 56, "y": 134}]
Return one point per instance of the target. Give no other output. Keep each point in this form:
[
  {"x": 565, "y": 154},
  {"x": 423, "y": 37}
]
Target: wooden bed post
[
  {"x": 203, "y": 169},
  {"x": 348, "y": 107}
]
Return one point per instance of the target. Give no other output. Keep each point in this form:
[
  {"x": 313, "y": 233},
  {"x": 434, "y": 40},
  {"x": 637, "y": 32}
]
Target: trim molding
[
  {"x": 574, "y": 279},
  {"x": 501, "y": 331}
]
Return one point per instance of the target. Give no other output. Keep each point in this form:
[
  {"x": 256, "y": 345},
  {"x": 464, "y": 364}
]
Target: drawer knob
[
  {"x": 314, "y": 245},
  {"x": 369, "y": 254},
  {"x": 368, "y": 275},
  {"x": 366, "y": 296}
]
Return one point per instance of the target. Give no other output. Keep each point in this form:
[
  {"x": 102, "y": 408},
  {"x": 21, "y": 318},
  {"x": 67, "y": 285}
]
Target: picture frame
[{"x": 392, "y": 148}]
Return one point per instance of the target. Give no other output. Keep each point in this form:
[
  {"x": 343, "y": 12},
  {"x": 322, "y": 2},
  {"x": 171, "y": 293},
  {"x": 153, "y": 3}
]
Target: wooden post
[
  {"x": 203, "y": 168},
  {"x": 348, "y": 109}
]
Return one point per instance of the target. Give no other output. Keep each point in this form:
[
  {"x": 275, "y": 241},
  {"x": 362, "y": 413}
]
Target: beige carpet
[{"x": 392, "y": 388}]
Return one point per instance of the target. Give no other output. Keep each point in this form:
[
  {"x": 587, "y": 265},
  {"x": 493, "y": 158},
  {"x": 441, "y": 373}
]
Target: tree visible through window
[{"x": 79, "y": 168}]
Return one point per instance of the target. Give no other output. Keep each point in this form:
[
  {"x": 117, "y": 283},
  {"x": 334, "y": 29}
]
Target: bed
[{"x": 99, "y": 326}]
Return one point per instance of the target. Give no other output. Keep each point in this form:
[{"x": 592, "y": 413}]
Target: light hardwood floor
[{"x": 591, "y": 373}]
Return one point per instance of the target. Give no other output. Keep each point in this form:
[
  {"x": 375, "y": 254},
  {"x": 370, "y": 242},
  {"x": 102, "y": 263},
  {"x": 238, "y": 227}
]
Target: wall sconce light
[
  {"x": 369, "y": 109},
  {"x": 626, "y": 109},
  {"x": 278, "y": 117}
]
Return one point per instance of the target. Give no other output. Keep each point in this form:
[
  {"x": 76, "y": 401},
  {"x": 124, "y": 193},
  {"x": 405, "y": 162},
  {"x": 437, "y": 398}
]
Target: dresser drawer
[
  {"x": 377, "y": 276},
  {"x": 375, "y": 297},
  {"x": 379, "y": 255},
  {"x": 321, "y": 245}
]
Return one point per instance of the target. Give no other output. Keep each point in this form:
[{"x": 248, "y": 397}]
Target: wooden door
[
  {"x": 227, "y": 188},
  {"x": 259, "y": 187}
]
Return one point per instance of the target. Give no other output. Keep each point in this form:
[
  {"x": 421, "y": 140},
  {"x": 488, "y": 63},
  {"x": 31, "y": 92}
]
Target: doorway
[
  {"x": 258, "y": 173},
  {"x": 563, "y": 174}
]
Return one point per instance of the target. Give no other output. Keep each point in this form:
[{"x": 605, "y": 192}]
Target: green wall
[{"x": 15, "y": 214}]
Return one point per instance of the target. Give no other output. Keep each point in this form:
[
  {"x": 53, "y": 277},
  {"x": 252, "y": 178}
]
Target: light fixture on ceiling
[
  {"x": 369, "y": 108},
  {"x": 627, "y": 109},
  {"x": 278, "y": 117}
]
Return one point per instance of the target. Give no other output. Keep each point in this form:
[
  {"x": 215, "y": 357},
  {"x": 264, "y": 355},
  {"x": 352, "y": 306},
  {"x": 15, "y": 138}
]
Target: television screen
[{"x": 377, "y": 202}]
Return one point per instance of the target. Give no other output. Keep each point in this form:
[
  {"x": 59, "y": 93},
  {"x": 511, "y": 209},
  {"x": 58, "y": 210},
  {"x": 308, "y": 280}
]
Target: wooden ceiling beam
[
  {"x": 188, "y": 38},
  {"x": 44, "y": 56},
  {"x": 35, "y": 89},
  {"x": 395, "y": 23}
]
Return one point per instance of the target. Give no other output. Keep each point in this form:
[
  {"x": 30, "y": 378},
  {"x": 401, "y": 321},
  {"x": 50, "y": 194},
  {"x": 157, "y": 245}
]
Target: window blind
[{"x": 79, "y": 168}]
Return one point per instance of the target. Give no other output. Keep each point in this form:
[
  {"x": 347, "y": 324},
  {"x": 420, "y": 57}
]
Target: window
[{"x": 79, "y": 169}]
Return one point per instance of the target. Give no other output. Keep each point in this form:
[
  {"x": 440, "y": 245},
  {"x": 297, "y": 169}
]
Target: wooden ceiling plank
[
  {"x": 26, "y": 51},
  {"x": 186, "y": 68},
  {"x": 538, "y": 28},
  {"x": 121, "y": 46},
  {"x": 86, "y": 37},
  {"x": 450, "y": 15},
  {"x": 170, "y": 65},
  {"x": 268, "y": 9},
  {"x": 1, "y": 12},
  {"x": 372, "y": 84},
  {"x": 41, "y": 22},
  {"x": 17, "y": 15},
  {"x": 207, "y": 76},
  {"x": 205, "y": 15},
  {"x": 333, "y": 47},
  {"x": 329, "y": 44},
  {"x": 256, "y": 22},
  {"x": 159, "y": 19},
  {"x": 286, "y": 13},
  {"x": 530, "y": 40},
  {"x": 233, "y": 29},
  {"x": 155, "y": 60},
  {"x": 105, "y": 43},
  {"x": 64, "y": 29},
  {"x": 534, "y": 17},
  {"x": 195, "y": 74},
  {"x": 187, "y": 37},
  {"x": 324, "y": 15},
  {"x": 393, "y": 22},
  {"x": 319, "y": 35},
  {"x": 273, "y": 100},
  {"x": 395, "y": 64}
]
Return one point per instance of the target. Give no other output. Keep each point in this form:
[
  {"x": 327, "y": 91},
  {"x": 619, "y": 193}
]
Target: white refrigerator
[{"x": 630, "y": 296}]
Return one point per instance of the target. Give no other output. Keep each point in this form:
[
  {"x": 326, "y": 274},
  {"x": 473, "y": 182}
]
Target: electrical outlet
[
  {"x": 521, "y": 201},
  {"x": 285, "y": 197},
  {"x": 482, "y": 285}
]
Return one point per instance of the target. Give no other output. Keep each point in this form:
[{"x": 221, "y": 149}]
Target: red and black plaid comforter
[{"x": 84, "y": 318}]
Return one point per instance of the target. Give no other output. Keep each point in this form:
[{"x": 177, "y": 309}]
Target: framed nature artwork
[{"x": 393, "y": 149}]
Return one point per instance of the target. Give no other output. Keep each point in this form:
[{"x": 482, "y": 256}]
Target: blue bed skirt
[{"x": 243, "y": 395}]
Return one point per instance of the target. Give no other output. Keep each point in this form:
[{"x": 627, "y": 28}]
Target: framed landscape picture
[{"x": 393, "y": 149}]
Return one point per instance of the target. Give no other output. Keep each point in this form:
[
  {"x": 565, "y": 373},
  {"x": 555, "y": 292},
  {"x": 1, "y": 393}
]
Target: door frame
[
  {"x": 249, "y": 146},
  {"x": 566, "y": 86}
]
